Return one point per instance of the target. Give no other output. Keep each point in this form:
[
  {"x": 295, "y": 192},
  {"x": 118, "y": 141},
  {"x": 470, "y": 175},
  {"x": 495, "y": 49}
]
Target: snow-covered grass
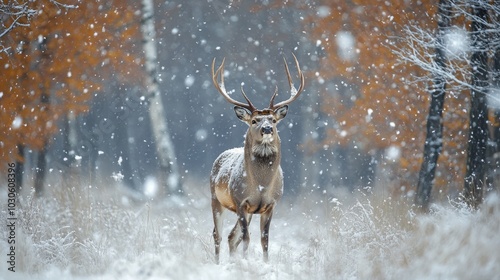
[{"x": 103, "y": 233}]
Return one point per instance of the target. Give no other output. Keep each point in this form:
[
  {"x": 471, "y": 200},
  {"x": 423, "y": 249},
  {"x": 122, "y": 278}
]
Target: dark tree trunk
[
  {"x": 69, "y": 142},
  {"x": 434, "y": 139},
  {"x": 41, "y": 162},
  {"x": 19, "y": 169},
  {"x": 494, "y": 151},
  {"x": 478, "y": 127},
  {"x": 44, "y": 107},
  {"x": 41, "y": 165}
]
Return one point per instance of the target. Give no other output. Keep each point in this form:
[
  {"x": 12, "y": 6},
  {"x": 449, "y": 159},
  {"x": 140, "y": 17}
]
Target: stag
[{"x": 249, "y": 180}]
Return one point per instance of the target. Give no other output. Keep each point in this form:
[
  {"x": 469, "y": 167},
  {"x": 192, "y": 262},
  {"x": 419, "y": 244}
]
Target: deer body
[
  {"x": 232, "y": 187},
  {"x": 249, "y": 180}
]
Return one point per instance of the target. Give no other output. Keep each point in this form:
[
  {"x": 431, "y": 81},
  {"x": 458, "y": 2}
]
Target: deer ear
[
  {"x": 281, "y": 112},
  {"x": 242, "y": 113}
]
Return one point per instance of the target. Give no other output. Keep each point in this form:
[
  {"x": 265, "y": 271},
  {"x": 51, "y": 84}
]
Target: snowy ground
[{"x": 97, "y": 234}]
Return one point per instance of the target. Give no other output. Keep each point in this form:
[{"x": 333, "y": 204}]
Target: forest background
[
  {"x": 75, "y": 97},
  {"x": 109, "y": 125}
]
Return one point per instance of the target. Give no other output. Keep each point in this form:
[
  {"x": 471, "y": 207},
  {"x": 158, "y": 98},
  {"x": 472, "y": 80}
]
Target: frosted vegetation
[{"x": 104, "y": 233}]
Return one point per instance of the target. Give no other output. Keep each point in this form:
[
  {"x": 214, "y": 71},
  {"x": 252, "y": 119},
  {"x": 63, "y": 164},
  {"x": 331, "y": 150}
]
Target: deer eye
[
  {"x": 254, "y": 121},
  {"x": 274, "y": 120}
]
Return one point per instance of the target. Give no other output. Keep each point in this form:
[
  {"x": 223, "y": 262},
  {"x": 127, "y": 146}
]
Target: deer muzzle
[{"x": 267, "y": 129}]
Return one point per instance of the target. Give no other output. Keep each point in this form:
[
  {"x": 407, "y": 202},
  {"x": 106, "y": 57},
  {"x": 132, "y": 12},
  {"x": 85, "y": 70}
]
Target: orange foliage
[
  {"x": 372, "y": 102},
  {"x": 65, "y": 55}
]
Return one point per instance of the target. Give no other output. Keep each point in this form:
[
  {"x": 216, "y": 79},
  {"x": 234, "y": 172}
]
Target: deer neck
[{"x": 262, "y": 159}]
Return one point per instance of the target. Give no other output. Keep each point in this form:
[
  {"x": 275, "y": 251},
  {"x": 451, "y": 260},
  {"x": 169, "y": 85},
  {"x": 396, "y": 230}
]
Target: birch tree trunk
[
  {"x": 169, "y": 174},
  {"x": 434, "y": 138},
  {"x": 478, "y": 128}
]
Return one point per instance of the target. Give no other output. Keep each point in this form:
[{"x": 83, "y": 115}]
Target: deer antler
[
  {"x": 294, "y": 93},
  {"x": 219, "y": 74}
]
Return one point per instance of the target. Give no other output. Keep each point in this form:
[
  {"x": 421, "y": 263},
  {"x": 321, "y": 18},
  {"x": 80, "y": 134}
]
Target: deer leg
[
  {"x": 240, "y": 233},
  {"x": 245, "y": 235},
  {"x": 217, "y": 210},
  {"x": 233, "y": 238},
  {"x": 265, "y": 222}
]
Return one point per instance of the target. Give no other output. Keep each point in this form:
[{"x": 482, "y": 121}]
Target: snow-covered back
[{"x": 231, "y": 165}]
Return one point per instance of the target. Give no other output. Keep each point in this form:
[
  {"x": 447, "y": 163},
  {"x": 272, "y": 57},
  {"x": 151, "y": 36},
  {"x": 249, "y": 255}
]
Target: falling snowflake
[{"x": 117, "y": 176}]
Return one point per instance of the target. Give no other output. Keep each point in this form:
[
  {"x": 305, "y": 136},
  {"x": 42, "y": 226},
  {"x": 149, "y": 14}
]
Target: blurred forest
[{"x": 74, "y": 103}]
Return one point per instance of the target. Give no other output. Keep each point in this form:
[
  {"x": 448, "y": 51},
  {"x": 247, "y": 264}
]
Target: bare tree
[
  {"x": 434, "y": 139},
  {"x": 466, "y": 69},
  {"x": 12, "y": 15},
  {"x": 169, "y": 172},
  {"x": 18, "y": 13},
  {"x": 475, "y": 177}
]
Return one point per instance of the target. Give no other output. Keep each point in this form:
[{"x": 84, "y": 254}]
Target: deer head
[{"x": 262, "y": 123}]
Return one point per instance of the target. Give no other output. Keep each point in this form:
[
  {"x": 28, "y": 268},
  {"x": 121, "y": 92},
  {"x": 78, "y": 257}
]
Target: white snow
[
  {"x": 494, "y": 98},
  {"x": 201, "y": 135},
  {"x": 231, "y": 165},
  {"x": 323, "y": 11},
  {"x": 150, "y": 187},
  {"x": 117, "y": 176},
  {"x": 189, "y": 81},
  {"x": 393, "y": 153},
  {"x": 346, "y": 45},
  {"x": 368, "y": 117},
  {"x": 17, "y": 122},
  {"x": 457, "y": 42},
  {"x": 90, "y": 234}
]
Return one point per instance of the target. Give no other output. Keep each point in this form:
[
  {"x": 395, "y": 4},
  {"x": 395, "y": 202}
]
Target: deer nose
[{"x": 267, "y": 129}]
